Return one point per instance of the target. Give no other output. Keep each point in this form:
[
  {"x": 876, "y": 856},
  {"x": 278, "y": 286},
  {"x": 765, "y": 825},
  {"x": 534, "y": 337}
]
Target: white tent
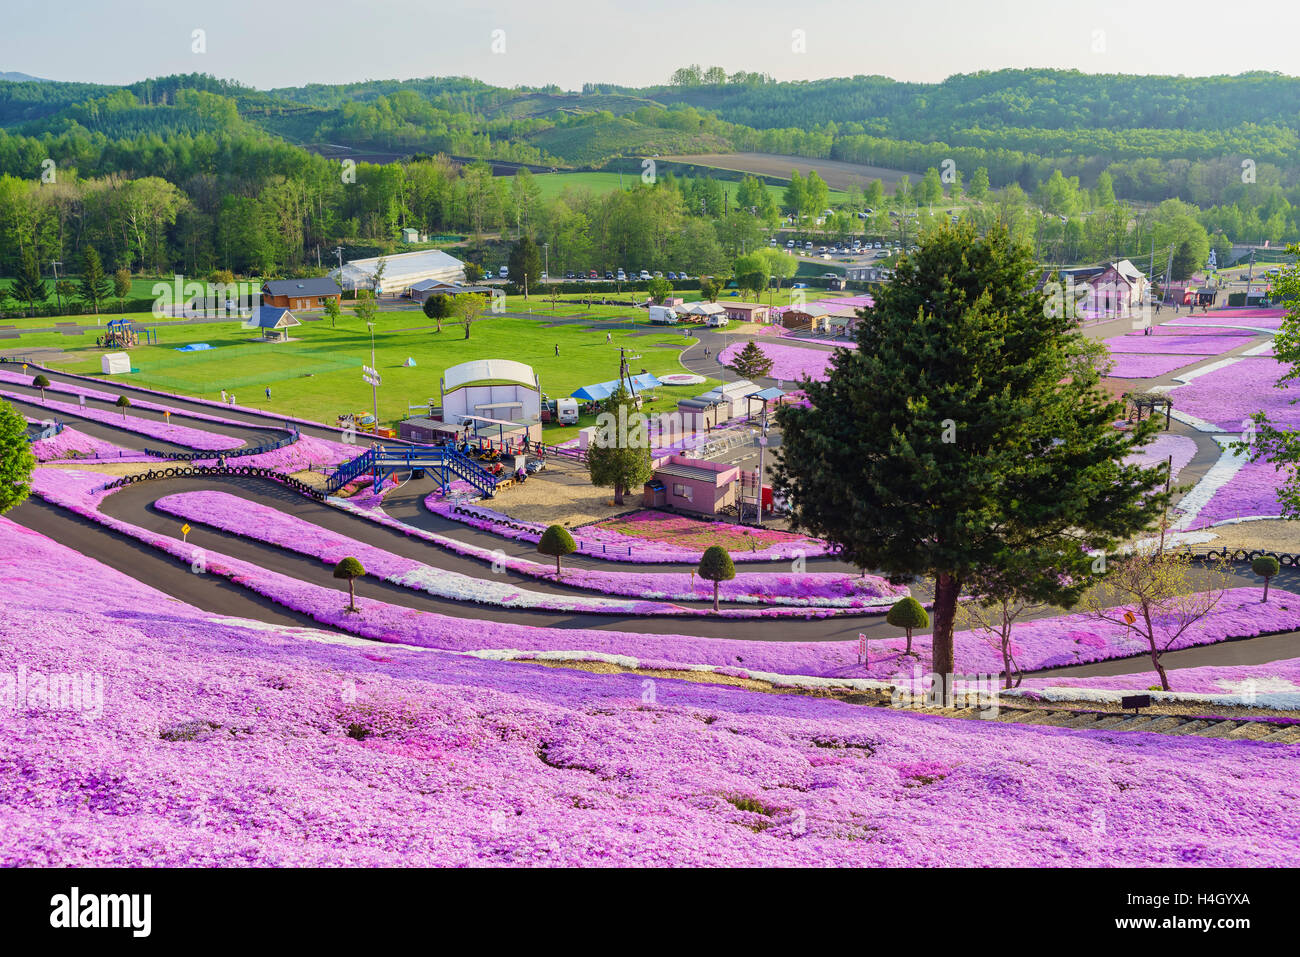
[
  {"x": 401, "y": 270},
  {"x": 409, "y": 361},
  {"x": 495, "y": 388},
  {"x": 114, "y": 363}
]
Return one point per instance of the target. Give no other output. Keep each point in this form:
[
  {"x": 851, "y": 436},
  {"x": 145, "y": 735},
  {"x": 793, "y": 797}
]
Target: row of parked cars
[
  {"x": 836, "y": 247},
  {"x": 623, "y": 275}
]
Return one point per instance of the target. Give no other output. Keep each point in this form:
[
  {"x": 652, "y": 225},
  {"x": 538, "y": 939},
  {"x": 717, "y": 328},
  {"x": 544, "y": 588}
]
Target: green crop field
[{"x": 318, "y": 375}]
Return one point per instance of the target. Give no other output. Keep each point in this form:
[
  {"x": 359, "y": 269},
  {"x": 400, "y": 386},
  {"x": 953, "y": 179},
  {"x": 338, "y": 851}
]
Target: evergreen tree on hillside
[
  {"x": 95, "y": 286},
  {"x": 751, "y": 362},
  {"x": 28, "y": 286},
  {"x": 961, "y": 439}
]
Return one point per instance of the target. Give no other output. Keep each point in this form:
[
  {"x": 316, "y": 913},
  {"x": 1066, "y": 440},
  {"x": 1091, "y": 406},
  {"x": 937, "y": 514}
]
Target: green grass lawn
[
  {"x": 553, "y": 184},
  {"x": 319, "y": 375}
]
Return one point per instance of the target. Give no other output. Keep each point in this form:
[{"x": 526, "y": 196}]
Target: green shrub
[{"x": 907, "y": 613}]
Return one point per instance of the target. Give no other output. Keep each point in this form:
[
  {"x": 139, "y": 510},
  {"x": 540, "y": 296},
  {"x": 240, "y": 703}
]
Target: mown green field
[
  {"x": 318, "y": 376},
  {"x": 553, "y": 184}
]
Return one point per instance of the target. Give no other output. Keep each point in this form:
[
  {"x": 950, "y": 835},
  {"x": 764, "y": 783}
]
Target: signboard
[
  {"x": 1129, "y": 617},
  {"x": 185, "y": 531}
]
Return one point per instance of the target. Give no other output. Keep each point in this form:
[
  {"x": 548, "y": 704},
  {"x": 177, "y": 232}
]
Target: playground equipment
[
  {"x": 122, "y": 334},
  {"x": 442, "y": 463}
]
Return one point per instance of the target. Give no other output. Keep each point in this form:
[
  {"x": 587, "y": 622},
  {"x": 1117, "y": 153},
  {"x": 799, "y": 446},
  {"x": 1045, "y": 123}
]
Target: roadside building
[
  {"x": 692, "y": 485},
  {"x": 747, "y": 312},
  {"x": 273, "y": 322},
  {"x": 301, "y": 294}
]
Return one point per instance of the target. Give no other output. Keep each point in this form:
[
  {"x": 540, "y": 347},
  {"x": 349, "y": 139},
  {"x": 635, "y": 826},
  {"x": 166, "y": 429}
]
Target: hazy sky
[{"x": 267, "y": 43}]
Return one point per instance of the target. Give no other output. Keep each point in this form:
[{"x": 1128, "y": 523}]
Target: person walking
[
  {"x": 557, "y": 348},
  {"x": 223, "y": 396},
  {"x": 268, "y": 392},
  {"x": 609, "y": 337}
]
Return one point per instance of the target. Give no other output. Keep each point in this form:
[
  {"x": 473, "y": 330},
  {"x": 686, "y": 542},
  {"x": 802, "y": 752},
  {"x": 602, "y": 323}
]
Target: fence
[
  {"x": 191, "y": 456},
  {"x": 289, "y": 481}
]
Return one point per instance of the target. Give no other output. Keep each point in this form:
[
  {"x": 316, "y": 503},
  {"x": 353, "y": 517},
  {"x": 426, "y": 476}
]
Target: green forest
[{"x": 195, "y": 174}]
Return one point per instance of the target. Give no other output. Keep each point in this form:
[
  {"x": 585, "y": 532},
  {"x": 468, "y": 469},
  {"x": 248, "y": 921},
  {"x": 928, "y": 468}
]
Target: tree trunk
[
  {"x": 908, "y": 649},
  {"x": 352, "y": 597},
  {"x": 618, "y": 493},
  {"x": 715, "y": 596},
  {"x": 942, "y": 658},
  {"x": 1155, "y": 661},
  {"x": 557, "y": 567},
  {"x": 1265, "y": 580}
]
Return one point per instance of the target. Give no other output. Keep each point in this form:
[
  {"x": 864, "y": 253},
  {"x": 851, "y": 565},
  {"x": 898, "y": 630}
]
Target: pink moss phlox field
[
  {"x": 1128, "y": 365},
  {"x": 1166, "y": 445},
  {"x": 228, "y": 742},
  {"x": 306, "y": 452},
  {"x": 653, "y": 545},
  {"x": 233, "y": 514},
  {"x": 70, "y": 443},
  {"x": 1177, "y": 345},
  {"x": 1228, "y": 396},
  {"x": 165, "y": 431},
  {"x": 1266, "y": 678},
  {"x": 789, "y": 363},
  {"x": 1079, "y": 639},
  {"x": 1258, "y": 318},
  {"x": 1251, "y": 493}
]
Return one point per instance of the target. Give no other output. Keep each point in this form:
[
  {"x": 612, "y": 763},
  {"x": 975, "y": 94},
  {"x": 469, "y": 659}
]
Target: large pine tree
[
  {"x": 95, "y": 286},
  {"x": 619, "y": 455},
  {"x": 960, "y": 438},
  {"x": 28, "y": 286}
]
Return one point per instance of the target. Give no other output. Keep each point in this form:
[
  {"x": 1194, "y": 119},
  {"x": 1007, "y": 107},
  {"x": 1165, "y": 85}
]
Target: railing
[
  {"x": 384, "y": 460},
  {"x": 200, "y": 470},
  {"x": 48, "y": 432}
]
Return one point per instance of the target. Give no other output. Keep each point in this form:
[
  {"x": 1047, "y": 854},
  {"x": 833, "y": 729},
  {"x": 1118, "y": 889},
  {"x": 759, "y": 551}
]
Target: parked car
[
  {"x": 622, "y": 276},
  {"x": 789, "y": 244},
  {"x": 682, "y": 277},
  {"x": 717, "y": 320},
  {"x": 569, "y": 274},
  {"x": 658, "y": 274},
  {"x": 672, "y": 275},
  {"x": 663, "y": 314},
  {"x": 800, "y": 285},
  {"x": 807, "y": 245},
  {"x": 608, "y": 274},
  {"x": 504, "y": 272},
  {"x": 645, "y": 274},
  {"x": 877, "y": 245}
]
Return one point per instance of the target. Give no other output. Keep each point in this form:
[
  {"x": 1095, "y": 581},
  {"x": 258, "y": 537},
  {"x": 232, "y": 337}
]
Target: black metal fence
[{"x": 191, "y": 456}]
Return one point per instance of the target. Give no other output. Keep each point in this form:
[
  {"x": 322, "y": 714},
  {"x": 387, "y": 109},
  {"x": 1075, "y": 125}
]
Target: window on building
[{"x": 684, "y": 491}]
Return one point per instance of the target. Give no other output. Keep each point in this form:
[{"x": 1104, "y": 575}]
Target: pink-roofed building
[{"x": 692, "y": 485}]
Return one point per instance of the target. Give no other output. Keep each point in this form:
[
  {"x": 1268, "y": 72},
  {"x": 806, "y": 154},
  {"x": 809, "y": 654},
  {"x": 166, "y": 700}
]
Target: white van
[
  {"x": 566, "y": 411},
  {"x": 663, "y": 314},
  {"x": 717, "y": 320},
  {"x": 504, "y": 272}
]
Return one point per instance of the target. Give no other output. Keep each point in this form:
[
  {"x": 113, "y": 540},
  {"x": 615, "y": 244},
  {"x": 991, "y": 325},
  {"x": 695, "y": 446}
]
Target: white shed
[
  {"x": 491, "y": 388},
  {"x": 114, "y": 363}
]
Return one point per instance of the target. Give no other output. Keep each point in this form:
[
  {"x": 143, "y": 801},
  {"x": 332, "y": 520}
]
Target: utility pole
[
  {"x": 546, "y": 260},
  {"x": 762, "y": 447},
  {"x": 1250, "y": 275},
  {"x": 55, "y": 264},
  {"x": 371, "y": 375}
]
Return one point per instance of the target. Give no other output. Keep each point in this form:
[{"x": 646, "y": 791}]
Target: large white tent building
[
  {"x": 401, "y": 271},
  {"x": 491, "y": 388}
]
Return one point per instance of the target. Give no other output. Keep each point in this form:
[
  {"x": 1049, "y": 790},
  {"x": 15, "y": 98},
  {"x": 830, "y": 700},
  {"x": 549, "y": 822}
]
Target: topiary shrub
[
  {"x": 42, "y": 383},
  {"x": 716, "y": 566},
  {"x": 1265, "y": 566},
  {"x": 351, "y": 569},
  {"x": 557, "y": 541},
  {"x": 907, "y": 613}
]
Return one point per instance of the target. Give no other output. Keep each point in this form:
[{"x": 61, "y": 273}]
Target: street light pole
[
  {"x": 374, "y": 379},
  {"x": 55, "y": 264}
]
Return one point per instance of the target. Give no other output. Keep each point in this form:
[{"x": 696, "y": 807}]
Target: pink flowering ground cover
[
  {"x": 228, "y": 742},
  {"x": 1177, "y": 345},
  {"x": 166, "y": 431},
  {"x": 789, "y": 363},
  {"x": 1130, "y": 365},
  {"x": 1233, "y": 393},
  {"x": 1044, "y": 643},
  {"x": 70, "y": 443},
  {"x": 1250, "y": 493},
  {"x": 1165, "y": 446},
  {"x": 1272, "y": 677},
  {"x": 655, "y": 538},
  {"x": 251, "y": 519}
]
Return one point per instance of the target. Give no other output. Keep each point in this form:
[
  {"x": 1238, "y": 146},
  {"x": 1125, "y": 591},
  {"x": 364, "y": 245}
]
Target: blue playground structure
[{"x": 443, "y": 463}]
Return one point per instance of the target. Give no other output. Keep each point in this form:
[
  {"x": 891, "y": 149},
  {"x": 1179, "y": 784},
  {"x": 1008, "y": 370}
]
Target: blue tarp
[
  {"x": 603, "y": 390},
  {"x": 194, "y": 347}
]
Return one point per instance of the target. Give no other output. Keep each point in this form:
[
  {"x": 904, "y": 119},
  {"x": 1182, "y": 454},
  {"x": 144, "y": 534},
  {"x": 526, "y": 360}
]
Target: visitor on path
[
  {"x": 223, "y": 396},
  {"x": 232, "y": 399},
  {"x": 557, "y": 348},
  {"x": 268, "y": 392},
  {"x": 609, "y": 337}
]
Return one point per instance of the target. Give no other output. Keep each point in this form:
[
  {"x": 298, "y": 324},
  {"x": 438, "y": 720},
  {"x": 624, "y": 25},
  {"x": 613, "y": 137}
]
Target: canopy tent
[
  {"x": 409, "y": 361},
  {"x": 603, "y": 390}
]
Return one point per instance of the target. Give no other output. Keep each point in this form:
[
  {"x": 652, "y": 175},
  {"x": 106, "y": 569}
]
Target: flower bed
[
  {"x": 306, "y": 452},
  {"x": 789, "y": 363},
  {"x": 1044, "y": 643},
  {"x": 1233, "y": 489},
  {"x": 1271, "y": 678},
  {"x": 1078, "y": 639},
  {"x": 1129, "y": 365},
  {"x": 1227, "y": 396},
  {"x": 692, "y": 535},
  {"x": 233, "y": 514},
  {"x": 1165, "y": 446},
  {"x": 1180, "y": 345},
  {"x": 227, "y": 742},
  {"x": 165, "y": 431},
  {"x": 70, "y": 443},
  {"x": 600, "y": 541}
]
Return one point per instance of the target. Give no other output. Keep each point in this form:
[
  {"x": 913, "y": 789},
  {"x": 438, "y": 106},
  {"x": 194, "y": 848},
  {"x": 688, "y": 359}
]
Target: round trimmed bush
[{"x": 908, "y": 614}]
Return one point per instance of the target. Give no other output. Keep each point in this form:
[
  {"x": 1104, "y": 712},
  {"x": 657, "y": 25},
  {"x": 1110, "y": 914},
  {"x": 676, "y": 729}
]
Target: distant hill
[{"x": 22, "y": 78}]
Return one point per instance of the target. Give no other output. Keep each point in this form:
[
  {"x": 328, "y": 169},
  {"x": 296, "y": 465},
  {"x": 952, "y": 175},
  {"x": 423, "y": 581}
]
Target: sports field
[{"x": 317, "y": 375}]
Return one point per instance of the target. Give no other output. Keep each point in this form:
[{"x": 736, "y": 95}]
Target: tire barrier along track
[
  {"x": 236, "y": 453},
  {"x": 1285, "y": 559},
  {"x": 288, "y": 481}
]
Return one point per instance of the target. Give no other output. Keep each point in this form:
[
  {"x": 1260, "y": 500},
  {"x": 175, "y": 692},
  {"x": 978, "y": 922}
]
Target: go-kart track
[{"x": 576, "y": 617}]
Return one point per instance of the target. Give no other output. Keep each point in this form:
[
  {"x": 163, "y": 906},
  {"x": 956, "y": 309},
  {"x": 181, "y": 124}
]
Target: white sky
[{"x": 267, "y": 43}]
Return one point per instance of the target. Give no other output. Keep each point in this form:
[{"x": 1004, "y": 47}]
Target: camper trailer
[
  {"x": 566, "y": 411},
  {"x": 663, "y": 314}
]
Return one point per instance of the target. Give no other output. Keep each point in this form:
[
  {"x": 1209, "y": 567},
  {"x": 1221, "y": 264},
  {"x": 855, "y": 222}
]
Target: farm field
[
  {"x": 553, "y": 184},
  {"x": 838, "y": 175}
]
